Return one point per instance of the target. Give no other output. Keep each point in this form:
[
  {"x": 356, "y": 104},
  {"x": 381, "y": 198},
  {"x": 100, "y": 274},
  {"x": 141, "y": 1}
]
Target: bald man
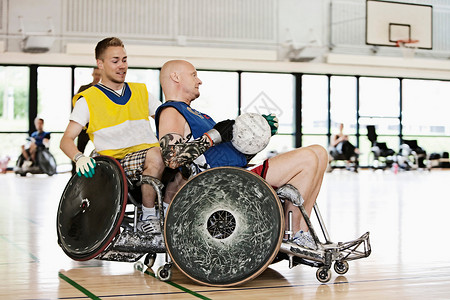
[{"x": 194, "y": 142}]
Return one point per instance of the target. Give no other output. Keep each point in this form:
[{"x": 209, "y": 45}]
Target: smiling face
[{"x": 114, "y": 66}]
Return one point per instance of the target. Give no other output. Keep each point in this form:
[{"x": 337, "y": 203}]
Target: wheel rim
[
  {"x": 221, "y": 224},
  {"x": 91, "y": 210},
  {"x": 224, "y": 227}
]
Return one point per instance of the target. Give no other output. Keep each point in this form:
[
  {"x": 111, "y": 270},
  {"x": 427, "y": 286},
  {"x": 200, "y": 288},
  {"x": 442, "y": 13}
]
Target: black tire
[
  {"x": 224, "y": 227},
  {"x": 46, "y": 161},
  {"x": 91, "y": 210}
]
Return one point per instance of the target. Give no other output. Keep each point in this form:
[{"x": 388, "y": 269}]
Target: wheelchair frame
[{"x": 130, "y": 245}]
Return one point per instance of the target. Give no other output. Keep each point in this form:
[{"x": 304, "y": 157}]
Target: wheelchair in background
[
  {"x": 343, "y": 156},
  {"x": 45, "y": 163},
  {"x": 381, "y": 157},
  {"x": 411, "y": 156}
]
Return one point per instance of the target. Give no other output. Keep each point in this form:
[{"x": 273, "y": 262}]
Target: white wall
[{"x": 305, "y": 22}]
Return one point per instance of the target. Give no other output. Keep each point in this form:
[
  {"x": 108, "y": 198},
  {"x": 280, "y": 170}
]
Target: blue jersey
[
  {"x": 39, "y": 137},
  {"x": 223, "y": 154}
]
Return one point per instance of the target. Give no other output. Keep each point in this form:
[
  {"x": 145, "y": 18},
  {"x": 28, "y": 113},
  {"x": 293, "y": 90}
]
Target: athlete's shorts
[
  {"x": 261, "y": 169},
  {"x": 133, "y": 163}
]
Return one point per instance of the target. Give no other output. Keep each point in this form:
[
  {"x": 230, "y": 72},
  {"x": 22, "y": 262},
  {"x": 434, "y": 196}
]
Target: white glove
[{"x": 85, "y": 166}]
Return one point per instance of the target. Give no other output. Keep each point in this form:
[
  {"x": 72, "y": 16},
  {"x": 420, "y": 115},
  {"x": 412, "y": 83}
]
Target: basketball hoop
[{"x": 408, "y": 47}]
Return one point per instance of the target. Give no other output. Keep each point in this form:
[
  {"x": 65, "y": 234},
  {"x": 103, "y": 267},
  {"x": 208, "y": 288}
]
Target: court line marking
[
  {"x": 77, "y": 286},
  {"x": 35, "y": 259},
  {"x": 186, "y": 290}
]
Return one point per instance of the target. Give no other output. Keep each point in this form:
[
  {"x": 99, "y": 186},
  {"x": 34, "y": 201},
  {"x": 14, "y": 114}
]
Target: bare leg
[
  {"x": 33, "y": 149},
  {"x": 173, "y": 187},
  {"x": 153, "y": 166},
  {"x": 25, "y": 153},
  {"x": 304, "y": 169}
]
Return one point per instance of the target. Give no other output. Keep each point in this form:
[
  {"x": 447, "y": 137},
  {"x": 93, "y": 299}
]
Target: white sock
[
  {"x": 147, "y": 212},
  {"x": 165, "y": 207}
]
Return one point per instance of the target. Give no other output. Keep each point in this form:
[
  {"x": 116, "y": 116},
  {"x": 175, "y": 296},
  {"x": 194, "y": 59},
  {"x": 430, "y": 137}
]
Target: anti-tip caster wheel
[
  {"x": 150, "y": 260},
  {"x": 341, "y": 267},
  {"x": 323, "y": 274},
  {"x": 164, "y": 273},
  {"x": 139, "y": 266}
]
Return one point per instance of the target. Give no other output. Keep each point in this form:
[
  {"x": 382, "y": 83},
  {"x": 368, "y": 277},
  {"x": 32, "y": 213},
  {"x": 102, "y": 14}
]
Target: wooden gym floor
[{"x": 407, "y": 215}]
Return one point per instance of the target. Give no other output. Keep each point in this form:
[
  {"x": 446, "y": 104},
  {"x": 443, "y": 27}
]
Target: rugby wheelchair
[
  {"x": 45, "y": 163},
  {"x": 381, "y": 157},
  {"x": 224, "y": 227},
  {"x": 411, "y": 156},
  {"x": 338, "y": 158}
]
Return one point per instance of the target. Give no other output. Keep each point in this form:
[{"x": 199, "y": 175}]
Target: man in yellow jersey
[{"x": 117, "y": 114}]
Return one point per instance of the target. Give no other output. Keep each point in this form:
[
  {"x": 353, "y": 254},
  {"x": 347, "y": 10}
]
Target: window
[
  {"x": 147, "y": 76},
  {"x": 343, "y": 103},
  {"x": 218, "y": 95},
  {"x": 314, "y": 104},
  {"x": 266, "y": 93},
  {"x": 270, "y": 93},
  {"x": 54, "y": 85},
  {"x": 426, "y": 107},
  {"x": 14, "y": 89}
]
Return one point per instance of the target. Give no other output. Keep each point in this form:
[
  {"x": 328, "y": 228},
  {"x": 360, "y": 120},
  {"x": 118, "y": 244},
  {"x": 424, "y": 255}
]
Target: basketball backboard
[{"x": 387, "y": 22}]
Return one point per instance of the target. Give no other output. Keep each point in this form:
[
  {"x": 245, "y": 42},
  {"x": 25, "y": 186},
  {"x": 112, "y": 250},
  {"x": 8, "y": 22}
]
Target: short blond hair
[{"x": 105, "y": 44}]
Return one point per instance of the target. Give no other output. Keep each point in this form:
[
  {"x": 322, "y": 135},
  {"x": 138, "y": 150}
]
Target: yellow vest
[{"x": 119, "y": 129}]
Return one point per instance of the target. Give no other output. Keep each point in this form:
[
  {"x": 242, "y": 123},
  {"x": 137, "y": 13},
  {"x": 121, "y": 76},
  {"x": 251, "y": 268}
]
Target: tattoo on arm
[{"x": 177, "y": 152}]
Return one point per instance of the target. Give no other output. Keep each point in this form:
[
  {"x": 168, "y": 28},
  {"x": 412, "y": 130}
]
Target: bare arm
[
  {"x": 175, "y": 148},
  {"x": 67, "y": 143}
]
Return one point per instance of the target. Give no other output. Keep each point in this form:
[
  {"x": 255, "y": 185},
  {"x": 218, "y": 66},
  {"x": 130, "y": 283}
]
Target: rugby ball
[{"x": 251, "y": 133}]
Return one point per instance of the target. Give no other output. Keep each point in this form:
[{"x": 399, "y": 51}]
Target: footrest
[
  {"x": 139, "y": 242},
  {"x": 355, "y": 249}
]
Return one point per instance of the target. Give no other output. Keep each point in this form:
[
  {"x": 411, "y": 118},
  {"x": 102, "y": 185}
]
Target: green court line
[
  {"x": 180, "y": 287},
  {"x": 20, "y": 248},
  {"x": 77, "y": 286}
]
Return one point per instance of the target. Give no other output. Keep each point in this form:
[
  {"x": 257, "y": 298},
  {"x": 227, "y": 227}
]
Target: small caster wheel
[
  {"x": 341, "y": 267},
  {"x": 139, "y": 266},
  {"x": 323, "y": 274},
  {"x": 150, "y": 259},
  {"x": 164, "y": 273}
]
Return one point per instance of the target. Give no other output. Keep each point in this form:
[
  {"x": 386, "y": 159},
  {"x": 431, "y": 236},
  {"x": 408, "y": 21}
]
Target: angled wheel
[
  {"x": 91, "y": 210},
  {"x": 323, "y": 274},
  {"x": 341, "y": 267},
  {"x": 46, "y": 162},
  {"x": 224, "y": 227},
  {"x": 164, "y": 273}
]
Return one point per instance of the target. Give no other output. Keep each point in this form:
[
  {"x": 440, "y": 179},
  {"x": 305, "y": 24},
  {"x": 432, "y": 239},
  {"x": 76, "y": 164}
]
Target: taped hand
[
  {"x": 273, "y": 122},
  {"x": 85, "y": 166}
]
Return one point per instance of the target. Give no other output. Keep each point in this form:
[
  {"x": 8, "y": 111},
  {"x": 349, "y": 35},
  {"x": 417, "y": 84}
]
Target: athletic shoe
[
  {"x": 150, "y": 225},
  {"x": 27, "y": 164},
  {"x": 305, "y": 239}
]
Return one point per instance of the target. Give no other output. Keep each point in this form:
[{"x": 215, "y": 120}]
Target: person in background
[{"x": 38, "y": 139}]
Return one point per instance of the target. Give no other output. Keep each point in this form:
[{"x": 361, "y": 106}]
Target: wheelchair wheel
[
  {"x": 91, "y": 210},
  {"x": 224, "y": 227},
  {"x": 18, "y": 168},
  {"x": 46, "y": 162}
]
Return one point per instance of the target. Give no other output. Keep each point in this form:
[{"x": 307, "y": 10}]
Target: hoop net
[{"x": 408, "y": 47}]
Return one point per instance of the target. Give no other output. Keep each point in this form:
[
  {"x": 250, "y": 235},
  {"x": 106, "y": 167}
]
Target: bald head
[{"x": 179, "y": 81}]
